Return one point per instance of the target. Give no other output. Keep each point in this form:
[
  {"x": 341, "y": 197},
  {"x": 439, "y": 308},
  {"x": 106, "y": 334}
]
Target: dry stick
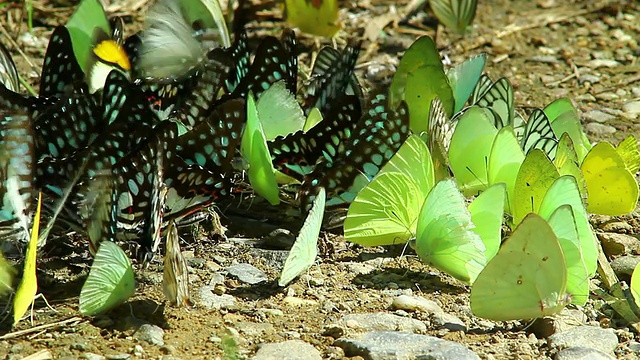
[
  {"x": 17, "y": 47},
  {"x": 39, "y": 328}
]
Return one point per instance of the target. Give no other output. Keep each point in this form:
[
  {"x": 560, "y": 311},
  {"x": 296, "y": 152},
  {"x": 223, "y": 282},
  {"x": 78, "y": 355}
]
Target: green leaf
[{"x": 88, "y": 16}]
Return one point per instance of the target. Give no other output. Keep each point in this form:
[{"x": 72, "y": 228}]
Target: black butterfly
[{"x": 377, "y": 137}]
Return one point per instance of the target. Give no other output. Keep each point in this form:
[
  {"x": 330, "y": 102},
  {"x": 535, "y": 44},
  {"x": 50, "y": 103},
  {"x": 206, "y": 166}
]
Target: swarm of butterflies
[{"x": 131, "y": 138}]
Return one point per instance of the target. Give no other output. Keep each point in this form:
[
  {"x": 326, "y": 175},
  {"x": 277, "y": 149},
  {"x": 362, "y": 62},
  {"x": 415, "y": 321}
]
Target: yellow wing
[
  {"x": 317, "y": 17},
  {"x": 29, "y": 284}
]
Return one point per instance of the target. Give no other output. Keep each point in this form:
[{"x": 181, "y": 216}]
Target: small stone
[
  {"x": 624, "y": 265},
  {"x": 292, "y": 349},
  {"x": 607, "y": 96},
  {"x": 216, "y": 279},
  {"x": 207, "y": 298},
  {"x": 78, "y": 346},
  {"x": 137, "y": 350},
  {"x": 632, "y": 107},
  {"x": 564, "y": 321},
  {"x": 583, "y": 336},
  {"x": 598, "y": 116},
  {"x": 168, "y": 349},
  {"x": 296, "y": 301},
  {"x": 402, "y": 345},
  {"x": 357, "y": 268},
  {"x": 118, "y": 357},
  {"x": 617, "y": 227},
  {"x": 92, "y": 356},
  {"x": 449, "y": 322},
  {"x": 416, "y": 303},
  {"x": 599, "y": 129},
  {"x": 615, "y": 244},
  {"x": 597, "y": 63},
  {"x": 152, "y": 334},
  {"x": 381, "y": 322},
  {"x": 582, "y": 353},
  {"x": 334, "y": 330},
  {"x": 247, "y": 273},
  {"x": 272, "y": 312}
]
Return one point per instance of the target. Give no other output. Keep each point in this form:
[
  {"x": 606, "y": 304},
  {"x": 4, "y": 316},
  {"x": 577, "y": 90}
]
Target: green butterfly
[
  {"x": 305, "y": 250},
  {"x": 421, "y": 77},
  {"x": 254, "y": 149},
  {"x": 110, "y": 281},
  {"x": 455, "y": 14},
  {"x": 527, "y": 279}
]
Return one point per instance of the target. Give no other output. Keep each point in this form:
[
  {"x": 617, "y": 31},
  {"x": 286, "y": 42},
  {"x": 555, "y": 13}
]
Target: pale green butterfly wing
[
  {"x": 455, "y": 14},
  {"x": 500, "y": 101},
  {"x": 441, "y": 130},
  {"x": 505, "y": 160},
  {"x": 535, "y": 177},
  {"x": 28, "y": 287},
  {"x": 110, "y": 282},
  {"x": 279, "y": 111},
  {"x": 563, "y": 224},
  {"x": 527, "y": 279},
  {"x": 635, "y": 285},
  {"x": 484, "y": 84},
  {"x": 564, "y": 191},
  {"x": 305, "y": 249},
  {"x": 254, "y": 148},
  {"x": 463, "y": 78},
  {"x": 421, "y": 61},
  {"x": 470, "y": 148},
  {"x": 487, "y": 213},
  {"x": 564, "y": 118},
  {"x": 386, "y": 210},
  {"x": 628, "y": 150},
  {"x": 567, "y": 163},
  {"x": 445, "y": 236},
  {"x": 175, "y": 276}
]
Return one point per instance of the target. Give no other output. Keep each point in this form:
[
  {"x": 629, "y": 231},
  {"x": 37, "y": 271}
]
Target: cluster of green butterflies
[{"x": 540, "y": 177}]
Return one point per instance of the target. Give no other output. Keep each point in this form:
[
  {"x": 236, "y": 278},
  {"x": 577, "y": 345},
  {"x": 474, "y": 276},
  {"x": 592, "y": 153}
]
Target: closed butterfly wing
[
  {"x": 455, "y": 14},
  {"x": 8, "y": 72},
  {"x": 305, "y": 249},
  {"x": 499, "y": 99},
  {"x": 538, "y": 134}
]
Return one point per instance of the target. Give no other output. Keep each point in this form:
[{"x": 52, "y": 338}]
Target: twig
[
  {"x": 17, "y": 47},
  {"x": 39, "y": 328}
]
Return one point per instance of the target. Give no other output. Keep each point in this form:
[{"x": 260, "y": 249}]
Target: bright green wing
[
  {"x": 28, "y": 286},
  {"x": 564, "y": 118},
  {"x": 279, "y": 111},
  {"x": 470, "y": 148},
  {"x": 463, "y": 78},
  {"x": 527, "y": 279},
  {"x": 420, "y": 78},
  {"x": 110, "y": 282},
  {"x": 88, "y": 16},
  {"x": 564, "y": 191},
  {"x": 612, "y": 189},
  {"x": 635, "y": 285},
  {"x": 567, "y": 163},
  {"x": 314, "y": 17},
  {"x": 445, "y": 236},
  {"x": 505, "y": 160},
  {"x": 305, "y": 249},
  {"x": 386, "y": 211},
  {"x": 254, "y": 148},
  {"x": 487, "y": 213},
  {"x": 628, "y": 150},
  {"x": 563, "y": 224},
  {"x": 535, "y": 177}
]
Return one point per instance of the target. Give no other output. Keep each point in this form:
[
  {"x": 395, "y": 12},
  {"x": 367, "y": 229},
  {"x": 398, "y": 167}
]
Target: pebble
[
  {"x": 137, "y": 351},
  {"x": 207, "y": 298},
  {"x": 583, "y": 336},
  {"x": 449, "y": 322},
  {"x": 632, "y": 107},
  {"x": 582, "y": 353},
  {"x": 296, "y": 301},
  {"x": 615, "y": 244},
  {"x": 617, "y": 227},
  {"x": 290, "y": 350},
  {"x": 381, "y": 322},
  {"x": 118, "y": 357},
  {"x": 598, "y": 116},
  {"x": 599, "y": 129},
  {"x": 380, "y": 345},
  {"x": 597, "y": 63},
  {"x": 152, "y": 334},
  {"x": 564, "y": 321},
  {"x": 624, "y": 265},
  {"x": 92, "y": 356},
  {"x": 416, "y": 303},
  {"x": 247, "y": 273}
]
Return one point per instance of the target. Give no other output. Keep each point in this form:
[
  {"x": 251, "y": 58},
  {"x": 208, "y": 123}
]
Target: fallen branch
[{"x": 40, "y": 327}]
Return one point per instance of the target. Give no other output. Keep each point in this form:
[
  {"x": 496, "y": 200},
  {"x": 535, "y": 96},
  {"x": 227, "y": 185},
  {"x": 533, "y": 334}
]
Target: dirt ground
[{"x": 547, "y": 48}]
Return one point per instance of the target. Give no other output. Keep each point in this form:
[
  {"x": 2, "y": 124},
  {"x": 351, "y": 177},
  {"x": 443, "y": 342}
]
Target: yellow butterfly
[{"x": 317, "y": 17}]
